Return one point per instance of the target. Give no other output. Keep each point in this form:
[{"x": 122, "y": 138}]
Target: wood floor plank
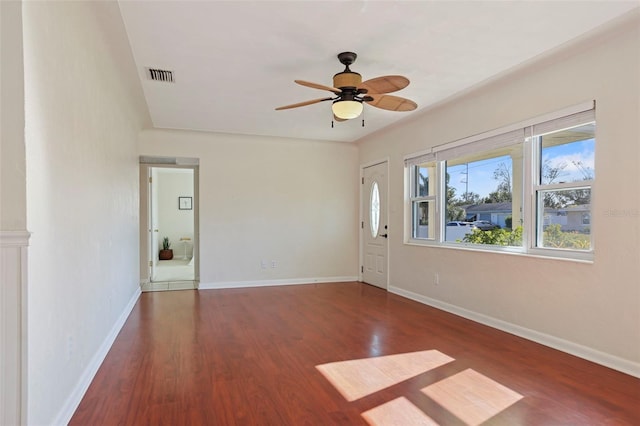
[{"x": 250, "y": 357}]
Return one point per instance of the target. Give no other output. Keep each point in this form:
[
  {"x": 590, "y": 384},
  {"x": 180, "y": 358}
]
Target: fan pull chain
[{"x": 332, "y": 124}]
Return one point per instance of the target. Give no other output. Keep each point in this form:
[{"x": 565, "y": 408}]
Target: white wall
[
  {"x": 267, "y": 199},
  {"x": 591, "y": 309},
  {"x": 84, "y": 110}
]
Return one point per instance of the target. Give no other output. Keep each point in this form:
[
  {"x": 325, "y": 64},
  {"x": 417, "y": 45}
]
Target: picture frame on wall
[{"x": 185, "y": 203}]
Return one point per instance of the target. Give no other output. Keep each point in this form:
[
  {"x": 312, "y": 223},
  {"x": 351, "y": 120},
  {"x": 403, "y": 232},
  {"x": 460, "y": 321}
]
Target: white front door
[{"x": 374, "y": 225}]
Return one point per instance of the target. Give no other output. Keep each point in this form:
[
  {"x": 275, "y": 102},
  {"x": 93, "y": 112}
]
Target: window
[
  {"x": 526, "y": 190},
  {"x": 423, "y": 199},
  {"x": 374, "y": 210},
  {"x": 482, "y": 185},
  {"x": 565, "y": 174}
]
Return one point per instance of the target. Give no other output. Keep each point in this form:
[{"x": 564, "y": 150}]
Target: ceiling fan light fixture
[{"x": 347, "y": 109}]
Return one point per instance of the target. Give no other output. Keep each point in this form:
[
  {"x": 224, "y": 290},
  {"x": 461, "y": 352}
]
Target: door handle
[{"x": 384, "y": 235}]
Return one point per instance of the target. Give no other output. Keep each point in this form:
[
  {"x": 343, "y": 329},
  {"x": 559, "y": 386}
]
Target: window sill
[{"x": 550, "y": 254}]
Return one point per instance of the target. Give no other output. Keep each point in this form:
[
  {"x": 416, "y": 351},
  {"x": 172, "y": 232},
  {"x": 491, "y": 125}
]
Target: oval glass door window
[{"x": 374, "y": 210}]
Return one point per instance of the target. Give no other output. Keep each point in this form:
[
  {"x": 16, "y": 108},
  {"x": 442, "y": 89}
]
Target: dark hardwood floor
[{"x": 249, "y": 357}]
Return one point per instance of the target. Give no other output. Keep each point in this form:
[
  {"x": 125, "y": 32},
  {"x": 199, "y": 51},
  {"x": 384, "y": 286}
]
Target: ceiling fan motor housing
[{"x": 347, "y": 79}]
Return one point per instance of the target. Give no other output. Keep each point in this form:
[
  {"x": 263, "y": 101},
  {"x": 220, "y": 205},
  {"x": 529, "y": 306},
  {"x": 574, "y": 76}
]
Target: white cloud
[{"x": 573, "y": 164}]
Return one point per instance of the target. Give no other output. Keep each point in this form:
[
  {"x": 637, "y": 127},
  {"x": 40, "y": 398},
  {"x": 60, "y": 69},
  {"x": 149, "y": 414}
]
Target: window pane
[
  {"x": 485, "y": 188},
  {"x": 422, "y": 211},
  {"x": 424, "y": 179},
  {"x": 565, "y": 217},
  {"x": 374, "y": 210},
  {"x": 568, "y": 155}
]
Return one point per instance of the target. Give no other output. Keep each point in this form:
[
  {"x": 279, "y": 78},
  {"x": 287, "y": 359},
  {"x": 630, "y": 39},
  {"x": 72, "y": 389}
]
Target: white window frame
[
  {"x": 529, "y": 130},
  {"x": 536, "y": 225},
  {"x": 415, "y": 199}
]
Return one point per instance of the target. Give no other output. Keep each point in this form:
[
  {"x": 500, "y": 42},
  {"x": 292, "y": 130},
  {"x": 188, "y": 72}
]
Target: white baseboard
[
  {"x": 590, "y": 354},
  {"x": 70, "y": 406},
  {"x": 270, "y": 283}
]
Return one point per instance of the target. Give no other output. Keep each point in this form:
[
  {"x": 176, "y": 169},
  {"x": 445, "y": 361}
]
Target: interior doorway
[{"x": 169, "y": 226}]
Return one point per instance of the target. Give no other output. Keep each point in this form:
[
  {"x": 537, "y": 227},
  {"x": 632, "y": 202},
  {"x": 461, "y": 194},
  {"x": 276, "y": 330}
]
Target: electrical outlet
[
  {"x": 436, "y": 278},
  {"x": 273, "y": 264},
  {"x": 263, "y": 264}
]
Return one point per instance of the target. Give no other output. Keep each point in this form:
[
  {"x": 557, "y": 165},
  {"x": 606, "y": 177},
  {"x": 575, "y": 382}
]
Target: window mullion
[
  {"x": 440, "y": 201},
  {"x": 528, "y": 196},
  {"x": 535, "y": 208}
]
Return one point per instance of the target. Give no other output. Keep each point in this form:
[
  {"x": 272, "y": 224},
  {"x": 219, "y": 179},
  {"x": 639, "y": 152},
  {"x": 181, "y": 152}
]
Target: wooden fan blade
[
  {"x": 335, "y": 117},
  {"x": 318, "y": 86},
  {"x": 299, "y": 104},
  {"x": 385, "y": 84},
  {"x": 392, "y": 103}
]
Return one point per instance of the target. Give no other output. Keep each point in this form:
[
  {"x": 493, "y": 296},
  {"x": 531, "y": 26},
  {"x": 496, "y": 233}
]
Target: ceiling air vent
[{"x": 161, "y": 75}]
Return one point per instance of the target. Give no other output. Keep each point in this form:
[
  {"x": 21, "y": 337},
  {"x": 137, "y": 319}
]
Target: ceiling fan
[{"x": 350, "y": 92}]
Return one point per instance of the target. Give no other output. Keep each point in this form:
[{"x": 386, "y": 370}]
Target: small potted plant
[{"x": 166, "y": 253}]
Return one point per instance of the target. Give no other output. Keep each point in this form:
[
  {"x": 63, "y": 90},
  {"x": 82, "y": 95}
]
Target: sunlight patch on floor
[
  {"x": 399, "y": 411},
  {"x": 468, "y": 395},
  {"x": 471, "y": 396},
  {"x": 357, "y": 378}
]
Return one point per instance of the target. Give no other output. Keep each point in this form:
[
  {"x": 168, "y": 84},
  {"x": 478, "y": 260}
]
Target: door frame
[
  {"x": 362, "y": 213},
  {"x": 145, "y": 166}
]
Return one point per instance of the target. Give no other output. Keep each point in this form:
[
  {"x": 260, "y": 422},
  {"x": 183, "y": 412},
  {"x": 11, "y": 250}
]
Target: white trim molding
[
  {"x": 13, "y": 326},
  {"x": 14, "y": 238},
  {"x": 590, "y": 354},
  {"x": 272, "y": 283}
]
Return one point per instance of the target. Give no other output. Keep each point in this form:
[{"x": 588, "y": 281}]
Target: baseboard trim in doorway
[
  {"x": 271, "y": 283},
  {"x": 74, "y": 399},
  {"x": 584, "y": 352}
]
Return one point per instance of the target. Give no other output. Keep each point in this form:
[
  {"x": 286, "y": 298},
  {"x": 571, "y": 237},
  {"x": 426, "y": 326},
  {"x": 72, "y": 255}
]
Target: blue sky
[
  {"x": 480, "y": 176},
  {"x": 480, "y": 173},
  {"x": 581, "y": 152}
]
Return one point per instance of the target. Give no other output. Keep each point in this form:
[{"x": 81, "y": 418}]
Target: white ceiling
[{"x": 235, "y": 61}]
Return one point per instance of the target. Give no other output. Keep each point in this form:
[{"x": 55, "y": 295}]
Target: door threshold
[{"x": 169, "y": 285}]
